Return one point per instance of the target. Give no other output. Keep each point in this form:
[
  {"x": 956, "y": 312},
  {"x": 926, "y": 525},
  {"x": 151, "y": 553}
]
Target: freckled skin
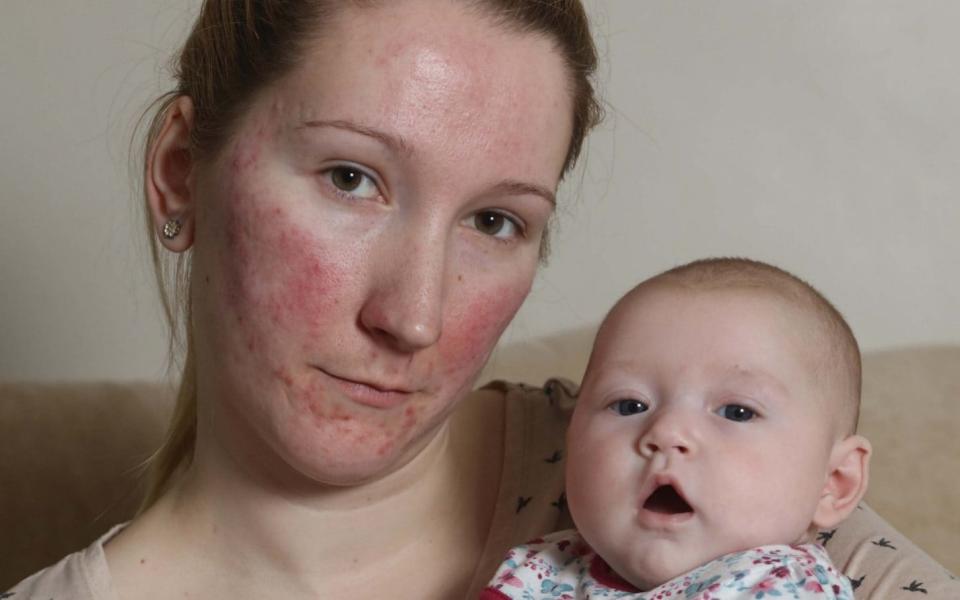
[{"x": 399, "y": 290}]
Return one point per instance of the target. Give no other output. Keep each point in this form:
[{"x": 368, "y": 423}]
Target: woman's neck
[{"x": 256, "y": 533}]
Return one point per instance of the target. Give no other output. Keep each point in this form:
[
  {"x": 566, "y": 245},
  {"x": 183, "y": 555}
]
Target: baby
[{"x": 714, "y": 434}]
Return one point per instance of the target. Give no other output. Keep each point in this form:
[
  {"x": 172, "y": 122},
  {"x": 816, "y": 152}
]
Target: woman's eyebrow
[
  {"x": 394, "y": 143},
  {"x": 520, "y": 188}
]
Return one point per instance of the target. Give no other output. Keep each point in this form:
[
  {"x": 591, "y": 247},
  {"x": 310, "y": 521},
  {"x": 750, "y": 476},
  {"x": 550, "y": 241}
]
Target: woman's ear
[
  {"x": 846, "y": 481},
  {"x": 167, "y": 179}
]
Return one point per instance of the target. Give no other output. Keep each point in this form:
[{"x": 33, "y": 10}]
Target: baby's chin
[
  {"x": 654, "y": 571},
  {"x": 650, "y": 571}
]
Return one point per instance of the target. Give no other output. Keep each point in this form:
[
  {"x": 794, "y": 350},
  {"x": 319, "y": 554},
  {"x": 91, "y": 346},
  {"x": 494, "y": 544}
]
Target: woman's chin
[{"x": 351, "y": 464}]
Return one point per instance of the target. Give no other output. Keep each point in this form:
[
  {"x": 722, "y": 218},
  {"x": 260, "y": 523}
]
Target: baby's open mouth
[{"x": 665, "y": 499}]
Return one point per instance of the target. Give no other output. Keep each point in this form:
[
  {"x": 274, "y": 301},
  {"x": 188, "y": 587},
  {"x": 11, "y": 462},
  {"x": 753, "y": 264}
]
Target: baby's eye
[
  {"x": 736, "y": 412},
  {"x": 353, "y": 182},
  {"x": 495, "y": 224},
  {"x": 628, "y": 406}
]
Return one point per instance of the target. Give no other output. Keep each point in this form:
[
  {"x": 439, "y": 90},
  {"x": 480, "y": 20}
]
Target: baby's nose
[{"x": 669, "y": 434}]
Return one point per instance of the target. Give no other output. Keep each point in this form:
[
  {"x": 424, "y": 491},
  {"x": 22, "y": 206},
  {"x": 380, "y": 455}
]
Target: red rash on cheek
[
  {"x": 275, "y": 267},
  {"x": 477, "y": 328}
]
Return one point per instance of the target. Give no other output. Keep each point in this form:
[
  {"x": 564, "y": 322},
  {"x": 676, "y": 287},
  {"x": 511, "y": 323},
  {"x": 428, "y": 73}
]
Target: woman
[{"x": 365, "y": 189}]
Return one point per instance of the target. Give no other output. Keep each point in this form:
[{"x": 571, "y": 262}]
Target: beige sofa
[{"x": 71, "y": 453}]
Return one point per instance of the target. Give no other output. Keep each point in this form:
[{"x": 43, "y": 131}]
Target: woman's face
[{"x": 368, "y": 232}]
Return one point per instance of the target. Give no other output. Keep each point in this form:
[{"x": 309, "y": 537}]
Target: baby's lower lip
[
  {"x": 367, "y": 395},
  {"x": 662, "y": 520}
]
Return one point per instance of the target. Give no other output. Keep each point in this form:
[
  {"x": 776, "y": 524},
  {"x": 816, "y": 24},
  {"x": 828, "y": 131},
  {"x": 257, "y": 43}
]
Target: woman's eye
[
  {"x": 735, "y": 412},
  {"x": 495, "y": 224},
  {"x": 354, "y": 182},
  {"x": 628, "y": 407}
]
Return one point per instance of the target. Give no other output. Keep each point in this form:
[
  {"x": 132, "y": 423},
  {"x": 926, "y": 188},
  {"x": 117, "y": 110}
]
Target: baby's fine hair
[{"x": 840, "y": 352}]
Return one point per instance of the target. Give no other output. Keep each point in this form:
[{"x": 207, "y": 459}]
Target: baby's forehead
[
  {"x": 677, "y": 317},
  {"x": 817, "y": 349},
  {"x": 733, "y": 302},
  {"x": 736, "y": 334}
]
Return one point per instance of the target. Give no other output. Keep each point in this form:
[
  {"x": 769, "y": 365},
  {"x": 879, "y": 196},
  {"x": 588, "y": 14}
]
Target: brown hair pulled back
[{"x": 237, "y": 48}]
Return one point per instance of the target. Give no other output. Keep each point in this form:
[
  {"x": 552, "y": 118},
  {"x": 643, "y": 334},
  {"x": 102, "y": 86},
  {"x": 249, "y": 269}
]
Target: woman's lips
[{"x": 368, "y": 394}]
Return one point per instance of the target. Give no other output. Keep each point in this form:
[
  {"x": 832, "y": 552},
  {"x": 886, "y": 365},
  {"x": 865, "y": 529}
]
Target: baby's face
[{"x": 700, "y": 430}]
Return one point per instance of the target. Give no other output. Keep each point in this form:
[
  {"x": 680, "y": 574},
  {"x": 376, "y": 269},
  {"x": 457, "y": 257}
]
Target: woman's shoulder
[
  {"x": 82, "y": 575},
  {"x": 549, "y": 405},
  {"x": 535, "y": 421},
  {"x": 529, "y": 442}
]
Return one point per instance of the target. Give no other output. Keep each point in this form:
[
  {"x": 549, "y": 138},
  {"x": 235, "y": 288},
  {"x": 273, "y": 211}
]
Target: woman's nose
[
  {"x": 670, "y": 433},
  {"x": 405, "y": 307}
]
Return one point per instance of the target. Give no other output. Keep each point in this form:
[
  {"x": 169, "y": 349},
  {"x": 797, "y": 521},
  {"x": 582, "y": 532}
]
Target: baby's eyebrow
[{"x": 739, "y": 372}]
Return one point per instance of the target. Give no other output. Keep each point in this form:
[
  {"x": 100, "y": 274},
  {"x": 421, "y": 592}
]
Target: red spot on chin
[
  {"x": 410, "y": 415},
  {"x": 284, "y": 376},
  {"x": 340, "y": 416}
]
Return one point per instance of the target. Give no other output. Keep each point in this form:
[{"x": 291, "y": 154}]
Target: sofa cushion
[
  {"x": 911, "y": 415},
  {"x": 70, "y": 465}
]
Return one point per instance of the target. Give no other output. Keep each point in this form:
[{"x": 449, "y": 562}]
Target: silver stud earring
[{"x": 171, "y": 228}]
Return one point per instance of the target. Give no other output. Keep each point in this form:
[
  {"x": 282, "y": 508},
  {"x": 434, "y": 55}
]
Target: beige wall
[{"x": 821, "y": 136}]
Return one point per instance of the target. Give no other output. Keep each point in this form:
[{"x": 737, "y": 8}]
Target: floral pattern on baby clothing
[{"x": 561, "y": 566}]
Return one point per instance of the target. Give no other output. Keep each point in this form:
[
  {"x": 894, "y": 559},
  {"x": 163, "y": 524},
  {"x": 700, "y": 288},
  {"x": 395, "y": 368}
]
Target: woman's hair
[{"x": 239, "y": 47}]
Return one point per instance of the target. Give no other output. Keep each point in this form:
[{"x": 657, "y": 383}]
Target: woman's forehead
[{"x": 447, "y": 81}]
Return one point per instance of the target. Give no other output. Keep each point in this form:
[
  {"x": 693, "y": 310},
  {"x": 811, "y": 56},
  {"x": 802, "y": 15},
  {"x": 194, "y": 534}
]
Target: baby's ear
[{"x": 846, "y": 481}]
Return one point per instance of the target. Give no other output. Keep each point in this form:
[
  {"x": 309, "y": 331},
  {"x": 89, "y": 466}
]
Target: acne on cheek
[{"x": 273, "y": 267}]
